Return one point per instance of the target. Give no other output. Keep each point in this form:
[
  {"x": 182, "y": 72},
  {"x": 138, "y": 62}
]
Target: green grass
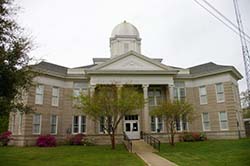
[
  {"x": 68, "y": 156},
  {"x": 209, "y": 153}
]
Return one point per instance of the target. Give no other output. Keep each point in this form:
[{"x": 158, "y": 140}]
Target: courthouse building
[{"x": 212, "y": 89}]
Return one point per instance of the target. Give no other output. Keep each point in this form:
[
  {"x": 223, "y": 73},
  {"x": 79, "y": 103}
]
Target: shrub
[
  {"x": 77, "y": 139},
  {"x": 203, "y": 136},
  {"x": 46, "y": 141},
  {"x": 194, "y": 136},
  {"x": 5, "y": 138},
  {"x": 188, "y": 137}
]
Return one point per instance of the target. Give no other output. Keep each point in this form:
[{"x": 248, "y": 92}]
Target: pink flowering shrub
[
  {"x": 46, "y": 141},
  {"x": 5, "y": 138},
  {"x": 77, "y": 139},
  {"x": 193, "y": 136}
]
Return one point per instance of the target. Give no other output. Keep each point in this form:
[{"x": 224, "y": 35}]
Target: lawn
[
  {"x": 209, "y": 153},
  {"x": 68, "y": 156}
]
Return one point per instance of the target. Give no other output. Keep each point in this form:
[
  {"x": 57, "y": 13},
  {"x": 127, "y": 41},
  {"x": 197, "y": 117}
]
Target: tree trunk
[
  {"x": 112, "y": 138},
  {"x": 172, "y": 135}
]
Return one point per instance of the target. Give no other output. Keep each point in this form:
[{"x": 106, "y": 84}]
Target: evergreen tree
[{"x": 15, "y": 76}]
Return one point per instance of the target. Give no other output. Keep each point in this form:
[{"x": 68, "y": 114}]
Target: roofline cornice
[
  {"x": 231, "y": 70},
  {"x": 132, "y": 72}
]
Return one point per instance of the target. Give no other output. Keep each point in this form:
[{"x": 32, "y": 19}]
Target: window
[
  {"x": 179, "y": 93},
  {"x": 181, "y": 124},
  {"x": 103, "y": 124},
  {"x": 203, "y": 95},
  {"x": 131, "y": 117},
  {"x": 79, "y": 87},
  {"x": 156, "y": 124},
  {"x": 55, "y": 96},
  {"x": 76, "y": 124},
  {"x": 79, "y": 124},
  {"x": 83, "y": 124},
  {"x": 219, "y": 92},
  {"x": 53, "y": 124},
  {"x": 154, "y": 96},
  {"x": 126, "y": 47},
  {"x": 101, "y": 128},
  {"x": 37, "y": 124},
  {"x": 223, "y": 120},
  {"x": 20, "y": 122},
  {"x": 205, "y": 121},
  {"x": 13, "y": 123},
  {"x": 39, "y": 94}
]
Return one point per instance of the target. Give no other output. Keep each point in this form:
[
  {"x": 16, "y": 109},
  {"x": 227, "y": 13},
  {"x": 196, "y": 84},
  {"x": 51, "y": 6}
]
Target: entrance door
[{"x": 131, "y": 126}]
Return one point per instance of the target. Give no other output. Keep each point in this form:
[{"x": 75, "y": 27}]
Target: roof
[
  {"x": 195, "y": 71},
  {"x": 51, "y": 67},
  {"x": 85, "y": 67},
  {"x": 211, "y": 67},
  {"x": 125, "y": 29},
  {"x": 112, "y": 60}
]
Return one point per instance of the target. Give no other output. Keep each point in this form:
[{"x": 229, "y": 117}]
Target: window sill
[{"x": 224, "y": 129}]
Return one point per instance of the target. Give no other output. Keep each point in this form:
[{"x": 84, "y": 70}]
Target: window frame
[
  {"x": 180, "y": 121},
  {"x": 154, "y": 97},
  {"x": 203, "y": 121},
  {"x": 203, "y": 95},
  {"x": 218, "y": 93},
  {"x": 178, "y": 96},
  {"x": 156, "y": 124},
  {"x": 40, "y": 124},
  {"x": 56, "y": 124},
  {"x": 102, "y": 119},
  {"x": 220, "y": 120},
  {"x": 55, "y": 97},
  {"x": 39, "y": 94},
  {"x": 79, "y": 124},
  {"x": 20, "y": 122}
]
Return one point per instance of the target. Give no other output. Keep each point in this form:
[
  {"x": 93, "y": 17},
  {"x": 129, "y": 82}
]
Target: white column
[
  {"x": 146, "y": 119},
  {"x": 120, "y": 126},
  {"x": 92, "y": 89},
  {"x": 91, "y": 124},
  {"x": 171, "y": 92}
]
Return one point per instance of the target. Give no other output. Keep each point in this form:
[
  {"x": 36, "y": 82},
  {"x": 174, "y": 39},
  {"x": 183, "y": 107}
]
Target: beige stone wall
[
  {"x": 65, "y": 111},
  {"x": 231, "y": 105}
]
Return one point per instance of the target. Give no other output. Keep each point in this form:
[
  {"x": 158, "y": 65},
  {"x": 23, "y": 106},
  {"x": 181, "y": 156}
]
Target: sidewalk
[{"x": 146, "y": 153}]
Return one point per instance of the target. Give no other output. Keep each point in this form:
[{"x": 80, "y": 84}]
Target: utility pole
[{"x": 244, "y": 47}]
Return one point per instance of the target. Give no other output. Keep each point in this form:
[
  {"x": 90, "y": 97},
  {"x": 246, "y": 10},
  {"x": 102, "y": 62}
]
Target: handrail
[
  {"x": 127, "y": 142},
  {"x": 151, "y": 140}
]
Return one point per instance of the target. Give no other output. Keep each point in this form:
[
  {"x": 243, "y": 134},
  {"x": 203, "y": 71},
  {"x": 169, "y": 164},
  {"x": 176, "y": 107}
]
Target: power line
[
  {"x": 223, "y": 22},
  {"x": 223, "y": 16}
]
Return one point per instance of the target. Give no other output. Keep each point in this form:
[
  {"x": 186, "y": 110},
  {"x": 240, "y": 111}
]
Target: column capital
[
  {"x": 92, "y": 86},
  {"x": 145, "y": 85},
  {"x": 171, "y": 85},
  {"x": 119, "y": 85}
]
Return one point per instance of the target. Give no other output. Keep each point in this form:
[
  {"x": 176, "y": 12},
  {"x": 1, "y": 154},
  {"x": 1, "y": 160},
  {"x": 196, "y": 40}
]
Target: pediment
[{"x": 131, "y": 62}]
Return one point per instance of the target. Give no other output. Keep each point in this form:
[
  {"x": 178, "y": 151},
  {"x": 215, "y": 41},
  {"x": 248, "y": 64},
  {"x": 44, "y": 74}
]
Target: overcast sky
[{"x": 71, "y": 33}]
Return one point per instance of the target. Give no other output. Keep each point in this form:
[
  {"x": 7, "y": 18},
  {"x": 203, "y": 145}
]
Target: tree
[
  {"x": 111, "y": 104},
  {"x": 15, "y": 76},
  {"x": 245, "y": 103},
  {"x": 171, "y": 113}
]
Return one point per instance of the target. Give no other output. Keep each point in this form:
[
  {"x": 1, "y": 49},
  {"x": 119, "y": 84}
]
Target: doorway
[{"x": 131, "y": 126}]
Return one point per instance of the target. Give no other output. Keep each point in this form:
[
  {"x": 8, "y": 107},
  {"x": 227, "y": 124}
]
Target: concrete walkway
[{"x": 146, "y": 153}]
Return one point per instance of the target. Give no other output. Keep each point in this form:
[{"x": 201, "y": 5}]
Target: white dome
[{"x": 125, "y": 29}]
